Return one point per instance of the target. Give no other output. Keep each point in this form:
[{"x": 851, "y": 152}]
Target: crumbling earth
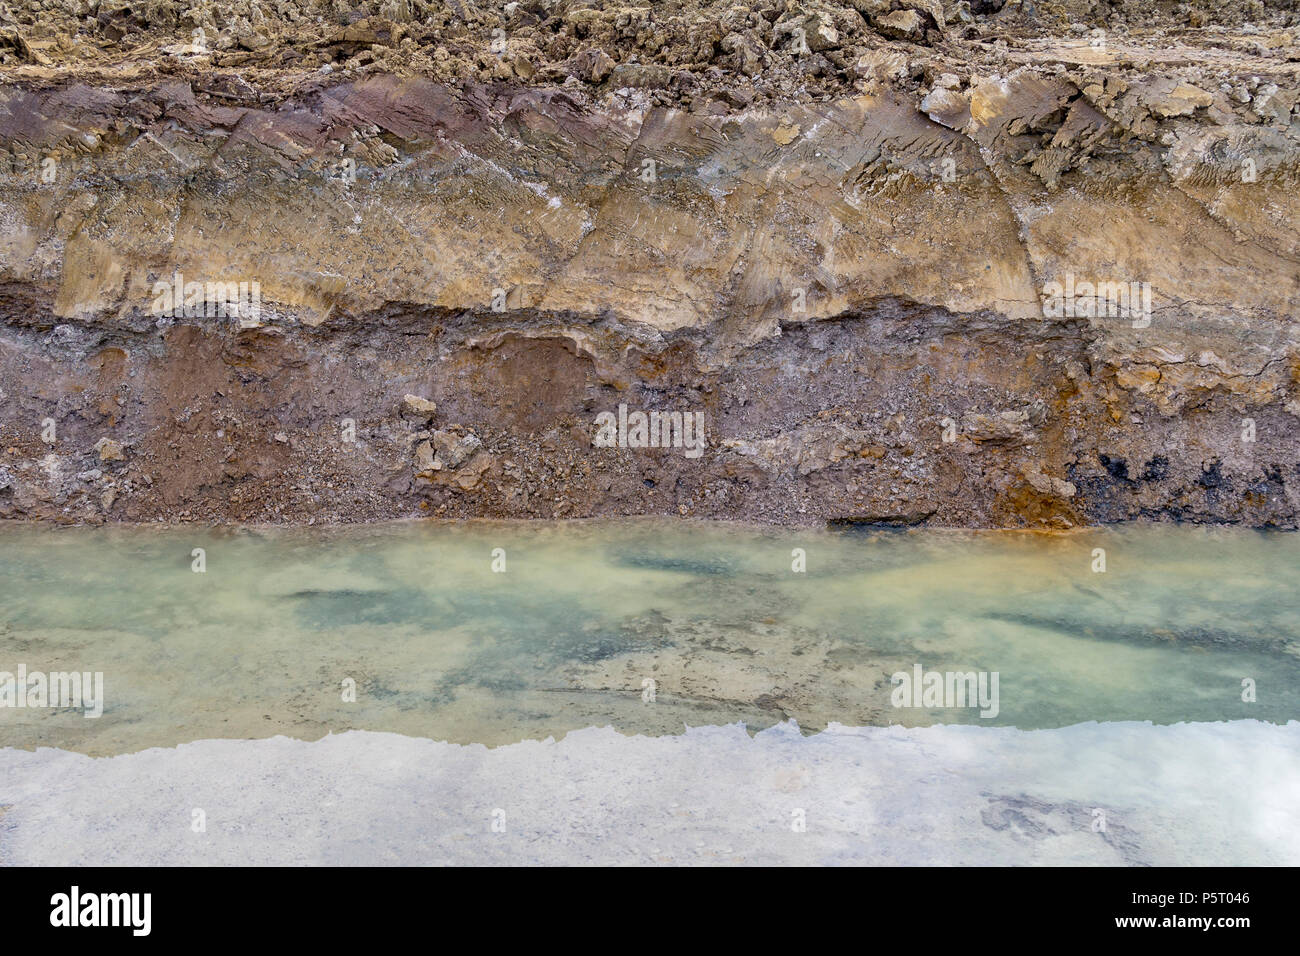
[{"x": 838, "y": 230}]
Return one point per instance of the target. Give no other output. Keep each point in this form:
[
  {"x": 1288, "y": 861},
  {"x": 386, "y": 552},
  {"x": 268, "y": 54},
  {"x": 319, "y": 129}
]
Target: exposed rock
[
  {"x": 468, "y": 478},
  {"x": 881, "y": 66},
  {"x": 1048, "y": 485},
  {"x": 903, "y": 24},
  {"x": 872, "y": 8},
  {"x": 110, "y": 450},
  {"x": 424, "y": 457},
  {"x": 820, "y": 33},
  {"x": 933, "y": 8},
  {"x": 418, "y": 407},
  {"x": 452, "y": 449},
  {"x": 947, "y": 107},
  {"x": 1008, "y": 427},
  {"x": 1170, "y": 98}
]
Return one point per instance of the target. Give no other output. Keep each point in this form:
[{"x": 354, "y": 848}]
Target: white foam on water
[{"x": 1205, "y": 793}]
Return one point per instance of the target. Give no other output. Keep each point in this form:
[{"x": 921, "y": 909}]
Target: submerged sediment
[{"x": 911, "y": 263}]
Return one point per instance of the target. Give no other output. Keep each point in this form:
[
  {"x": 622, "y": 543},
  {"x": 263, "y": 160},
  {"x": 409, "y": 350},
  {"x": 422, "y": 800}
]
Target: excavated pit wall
[
  {"x": 839, "y": 419},
  {"x": 853, "y": 290}
]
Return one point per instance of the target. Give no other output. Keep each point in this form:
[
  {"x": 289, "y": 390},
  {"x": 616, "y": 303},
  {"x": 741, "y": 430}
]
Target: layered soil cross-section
[{"x": 881, "y": 263}]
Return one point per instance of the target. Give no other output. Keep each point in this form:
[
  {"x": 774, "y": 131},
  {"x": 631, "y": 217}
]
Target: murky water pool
[
  {"x": 497, "y": 634},
  {"x": 582, "y": 624}
]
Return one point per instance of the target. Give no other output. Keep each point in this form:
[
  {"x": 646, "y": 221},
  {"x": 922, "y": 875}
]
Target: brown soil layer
[{"x": 828, "y": 228}]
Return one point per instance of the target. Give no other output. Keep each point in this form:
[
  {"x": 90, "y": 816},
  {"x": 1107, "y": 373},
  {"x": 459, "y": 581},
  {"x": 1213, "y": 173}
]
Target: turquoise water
[{"x": 586, "y": 615}]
